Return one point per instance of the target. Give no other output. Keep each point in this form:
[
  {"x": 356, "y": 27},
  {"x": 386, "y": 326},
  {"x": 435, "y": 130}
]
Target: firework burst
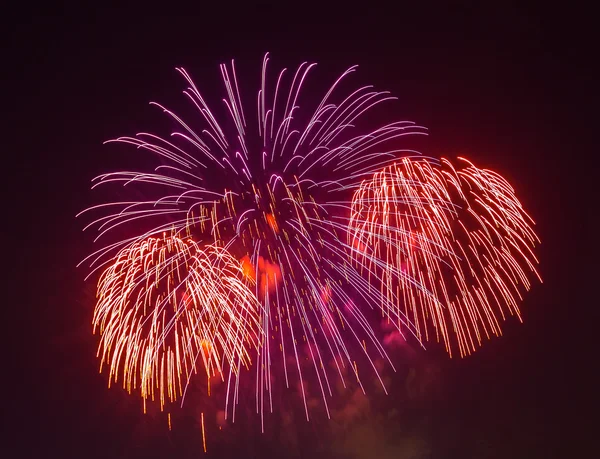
[
  {"x": 453, "y": 246},
  {"x": 308, "y": 227},
  {"x": 165, "y": 305}
]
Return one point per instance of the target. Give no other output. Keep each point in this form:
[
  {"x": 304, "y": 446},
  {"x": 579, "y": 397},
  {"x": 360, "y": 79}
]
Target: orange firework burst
[
  {"x": 449, "y": 247},
  {"x": 163, "y": 305}
]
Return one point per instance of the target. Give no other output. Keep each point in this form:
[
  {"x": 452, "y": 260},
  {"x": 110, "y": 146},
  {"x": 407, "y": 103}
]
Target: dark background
[{"x": 507, "y": 86}]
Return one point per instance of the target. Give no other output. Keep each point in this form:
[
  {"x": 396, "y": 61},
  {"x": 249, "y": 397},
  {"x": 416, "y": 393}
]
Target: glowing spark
[{"x": 203, "y": 433}]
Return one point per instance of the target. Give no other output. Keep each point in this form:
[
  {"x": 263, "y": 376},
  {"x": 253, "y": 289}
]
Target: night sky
[{"x": 505, "y": 86}]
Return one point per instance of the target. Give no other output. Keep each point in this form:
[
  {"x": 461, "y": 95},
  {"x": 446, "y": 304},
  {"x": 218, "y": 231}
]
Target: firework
[
  {"x": 163, "y": 306},
  {"x": 453, "y": 246},
  {"x": 308, "y": 228}
]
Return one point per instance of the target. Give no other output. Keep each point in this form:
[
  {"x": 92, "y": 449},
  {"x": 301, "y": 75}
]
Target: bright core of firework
[{"x": 272, "y": 239}]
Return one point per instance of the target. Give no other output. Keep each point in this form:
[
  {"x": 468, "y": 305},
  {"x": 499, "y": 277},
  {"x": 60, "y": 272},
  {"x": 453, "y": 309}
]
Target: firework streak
[{"x": 271, "y": 240}]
